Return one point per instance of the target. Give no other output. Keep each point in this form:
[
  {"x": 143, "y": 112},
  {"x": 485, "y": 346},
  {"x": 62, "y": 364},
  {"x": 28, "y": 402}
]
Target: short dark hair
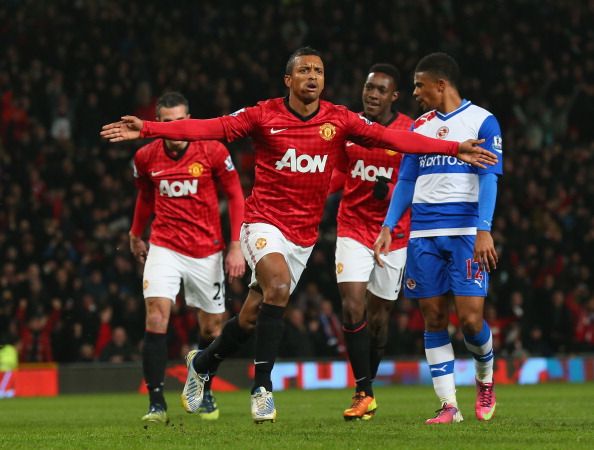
[
  {"x": 389, "y": 70},
  {"x": 441, "y": 65},
  {"x": 303, "y": 51},
  {"x": 170, "y": 100}
]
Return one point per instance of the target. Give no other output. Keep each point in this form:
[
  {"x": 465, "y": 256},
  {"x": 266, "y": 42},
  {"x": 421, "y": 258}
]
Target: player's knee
[
  {"x": 471, "y": 324},
  {"x": 436, "y": 321},
  {"x": 277, "y": 293},
  {"x": 353, "y": 310},
  {"x": 248, "y": 324},
  {"x": 210, "y": 333},
  {"x": 156, "y": 322}
]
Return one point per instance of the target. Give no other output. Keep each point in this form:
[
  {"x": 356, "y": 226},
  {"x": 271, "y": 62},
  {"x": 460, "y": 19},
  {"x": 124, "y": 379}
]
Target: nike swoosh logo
[
  {"x": 273, "y": 131},
  {"x": 260, "y": 362},
  {"x": 350, "y": 144},
  {"x": 154, "y": 174},
  {"x": 498, "y": 151}
]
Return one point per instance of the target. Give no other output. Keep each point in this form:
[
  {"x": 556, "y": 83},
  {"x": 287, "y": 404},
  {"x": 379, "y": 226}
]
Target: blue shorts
[{"x": 441, "y": 264}]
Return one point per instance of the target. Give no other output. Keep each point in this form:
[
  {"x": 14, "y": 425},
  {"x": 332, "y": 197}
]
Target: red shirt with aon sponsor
[
  {"x": 295, "y": 156},
  {"x": 185, "y": 203},
  {"x": 360, "y": 215}
]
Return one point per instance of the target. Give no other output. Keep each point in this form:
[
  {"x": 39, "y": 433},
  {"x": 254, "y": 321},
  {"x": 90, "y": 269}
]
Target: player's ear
[
  {"x": 395, "y": 96},
  {"x": 287, "y": 80},
  {"x": 441, "y": 84}
]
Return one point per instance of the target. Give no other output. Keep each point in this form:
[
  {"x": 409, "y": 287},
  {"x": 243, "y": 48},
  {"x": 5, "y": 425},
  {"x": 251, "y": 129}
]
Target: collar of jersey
[
  {"x": 389, "y": 122},
  {"x": 179, "y": 156},
  {"x": 296, "y": 114},
  {"x": 465, "y": 104}
]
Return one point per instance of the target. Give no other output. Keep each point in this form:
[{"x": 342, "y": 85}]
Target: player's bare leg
[
  {"x": 210, "y": 328},
  {"x": 356, "y": 335},
  {"x": 440, "y": 357},
  {"x": 479, "y": 341},
  {"x": 154, "y": 356},
  {"x": 274, "y": 278}
]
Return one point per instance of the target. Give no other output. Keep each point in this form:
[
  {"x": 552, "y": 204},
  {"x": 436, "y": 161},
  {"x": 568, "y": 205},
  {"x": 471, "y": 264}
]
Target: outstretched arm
[
  {"x": 131, "y": 127},
  {"x": 371, "y": 134},
  {"x": 468, "y": 151}
]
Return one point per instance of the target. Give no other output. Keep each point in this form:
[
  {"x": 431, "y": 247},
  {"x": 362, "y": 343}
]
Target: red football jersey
[
  {"x": 360, "y": 215},
  {"x": 187, "y": 218},
  {"x": 295, "y": 156}
]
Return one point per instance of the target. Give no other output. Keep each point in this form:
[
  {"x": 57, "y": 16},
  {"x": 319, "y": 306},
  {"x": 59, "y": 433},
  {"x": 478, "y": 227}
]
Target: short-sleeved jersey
[
  {"x": 360, "y": 214},
  {"x": 294, "y": 158},
  {"x": 445, "y": 200},
  {"x": 187, "y": 218}
]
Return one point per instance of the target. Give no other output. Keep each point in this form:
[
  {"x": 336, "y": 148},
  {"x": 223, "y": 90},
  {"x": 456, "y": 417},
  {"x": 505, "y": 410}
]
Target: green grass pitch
[{"x": 555, "y": 416}]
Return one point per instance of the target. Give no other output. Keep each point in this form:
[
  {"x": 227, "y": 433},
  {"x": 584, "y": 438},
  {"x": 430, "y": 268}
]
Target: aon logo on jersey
[
  {"x": 302, "y": 163},
  {"x": 369, "y": 173},
  {"x": 178, "y": 188}
]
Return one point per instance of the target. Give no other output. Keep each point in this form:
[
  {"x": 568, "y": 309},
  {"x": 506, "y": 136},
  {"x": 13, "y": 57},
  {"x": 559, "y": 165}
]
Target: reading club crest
[
  {"x": 411, "y": 284},
  {"x": 442, "y": 132},
  {"x": 196, "y": 169},
  {"x": 327, "y": 131}
]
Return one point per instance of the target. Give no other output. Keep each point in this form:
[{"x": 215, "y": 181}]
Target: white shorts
[
  {"x": 355, "y": 263},
  {"x": 260, "y": 239},
  {"x": 204, "y": 278}
]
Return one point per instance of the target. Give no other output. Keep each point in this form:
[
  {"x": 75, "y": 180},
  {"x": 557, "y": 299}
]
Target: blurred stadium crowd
[{"x": 69, "y": 288}]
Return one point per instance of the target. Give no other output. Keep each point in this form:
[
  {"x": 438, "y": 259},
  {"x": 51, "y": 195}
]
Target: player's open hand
[
  {"x": 138, "y": 248},
  {"x": 382, "y": 245},
  {"x": 234, "y": 262},
  {"x": 469, "y": 151},
  {"x": 126, "y": 129},
  {"x": 484, "y": 251}
]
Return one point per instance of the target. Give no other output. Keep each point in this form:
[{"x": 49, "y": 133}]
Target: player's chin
[{"x": 309, "y": 95}]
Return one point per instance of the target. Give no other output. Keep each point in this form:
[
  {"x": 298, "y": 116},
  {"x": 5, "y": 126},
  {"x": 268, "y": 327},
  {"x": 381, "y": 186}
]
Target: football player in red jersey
[
  {"x": 297, "y": 140},
  {"x": 176, "y": 182},
  {"x": 368, "y": 291}
]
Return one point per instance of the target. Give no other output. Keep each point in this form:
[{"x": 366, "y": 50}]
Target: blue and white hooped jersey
[{"x": 445, "y": 201}]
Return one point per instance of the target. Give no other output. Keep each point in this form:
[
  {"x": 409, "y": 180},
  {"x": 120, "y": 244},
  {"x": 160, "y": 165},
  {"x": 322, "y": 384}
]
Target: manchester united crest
[
  {"x": 196, "y": 169},
  {"x": 339, "y": 268},
  {"x": 260, "y": 243},
  {"x": 327, "y": 131},
  {"x": 442, "y": 132},
  {"x": 145, "y": 285}
]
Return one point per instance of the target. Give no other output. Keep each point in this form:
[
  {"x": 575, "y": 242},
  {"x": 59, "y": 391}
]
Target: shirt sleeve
[
  {"x": 370, "y": 134},
  {"x": 487, "y": 200},
  {"x": 409, "y": 168},
  {"x": 145, "y": 199},
  {"x": 491, "y": 133},
  {"x": 224, "y": 171},
  {"x": 400, "y": 201},
  {"x": 185, "y": 130}
]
